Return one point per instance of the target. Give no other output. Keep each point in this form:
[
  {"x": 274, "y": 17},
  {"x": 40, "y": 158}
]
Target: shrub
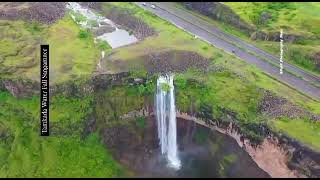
[{"x": 84, "y": 34}]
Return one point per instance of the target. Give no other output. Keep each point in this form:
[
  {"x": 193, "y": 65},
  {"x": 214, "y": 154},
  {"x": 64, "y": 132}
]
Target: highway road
[{"x": 209, "y": 33}]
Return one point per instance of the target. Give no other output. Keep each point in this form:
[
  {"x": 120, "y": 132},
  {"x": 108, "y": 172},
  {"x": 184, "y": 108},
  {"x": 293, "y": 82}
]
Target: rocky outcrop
[
  {"x": 20, "y": 88},
  {"x": 275, "y": 107},
  {"x": 44, "y": 12},
  {"x": 275, "y": 36},
  {"x": 102, "y": 81},
  {"x": 175, "y": 61}
]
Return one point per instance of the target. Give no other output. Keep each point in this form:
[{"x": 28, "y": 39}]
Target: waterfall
[{"x": 166, "y": 119}]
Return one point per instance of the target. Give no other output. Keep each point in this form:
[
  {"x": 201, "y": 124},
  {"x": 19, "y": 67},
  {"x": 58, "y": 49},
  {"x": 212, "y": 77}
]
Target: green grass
[
  {"x": 293, "y": 18},
  {"x": 103, "y": 45},
  {"x": 302, "y": 130},
  {"x": 236, "y": 88},
  {"x": 72, "y": 49},
  {"x": 24, "y": 153},
  {"x": 77, "y": 16},
  {"x": 296, "y": 54},
  {"x": 84, "y": 34},
  {"x": 180, "y": 40},
  {"x": 297, "y": 18},
  {"x": 20, "y": 47},
  {"x": 300, "y": 53},
  {"x": 117, "y": 101}
]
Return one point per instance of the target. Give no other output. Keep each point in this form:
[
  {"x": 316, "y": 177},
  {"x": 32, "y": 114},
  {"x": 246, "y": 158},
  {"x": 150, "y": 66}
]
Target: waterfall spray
[{"x": 166, "y": 119}]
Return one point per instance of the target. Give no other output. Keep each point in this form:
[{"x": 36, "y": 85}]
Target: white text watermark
[{"x": 281, "y": 52}]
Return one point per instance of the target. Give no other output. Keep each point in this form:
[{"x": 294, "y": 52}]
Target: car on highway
[
  {"x": 153, "y": 6},
  {"x": 144, "y": 4}
]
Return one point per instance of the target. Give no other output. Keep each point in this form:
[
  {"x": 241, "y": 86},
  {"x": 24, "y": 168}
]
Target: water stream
[
  {"x": 117, "y": 38},
  {"x": 166, "y": 119}
]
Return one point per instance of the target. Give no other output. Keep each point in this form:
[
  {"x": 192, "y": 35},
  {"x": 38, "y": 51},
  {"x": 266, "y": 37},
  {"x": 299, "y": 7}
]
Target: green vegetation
[
  {"x": 77, "y": 56},
  {"x": 180, "y": 40},
  {"x": 303, "y": 130},
  {"x": 35, "y": 28},
  {"x": 141, "y": 122},
  {"x": 236, "y": 88},
  {"x": 147, "y": 89},
  {"x": 20, "y": 48},
  {"x": 213, "y": 94},
  {"x": 63, "y": 154},
  {"x": 201, "y": 135},
  {"x": 84, "y": 34},
  {"x": 72, "y": 50},
  {"x": 209, "y": 90},
  {"x": 294, "y": 18},
  {"x": 78, "y": 17},
  {"x": 103, "y": 45},
  {"x": 230, "y": 85},
  {"x": 117, "y": 101},
  {"x": 165, "y": 87}
]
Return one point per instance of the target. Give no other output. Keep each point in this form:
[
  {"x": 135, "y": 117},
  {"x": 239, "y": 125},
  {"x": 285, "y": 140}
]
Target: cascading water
[{"x": 166, "y": 119}]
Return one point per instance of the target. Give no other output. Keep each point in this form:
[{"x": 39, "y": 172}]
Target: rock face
[
  {"x": 44, "y": 12},
  {"x": 20, "y": 88},
  {"x": 316, "y": 60},
  {"x": 220, "y": 12},
  {"x": 275, "y": 36},
  {"x": 175, "y": 61},
  {"x": 277, "y": 154},
  {"x": 104, "y": 80},
  {"x": 301, "y": 158}
]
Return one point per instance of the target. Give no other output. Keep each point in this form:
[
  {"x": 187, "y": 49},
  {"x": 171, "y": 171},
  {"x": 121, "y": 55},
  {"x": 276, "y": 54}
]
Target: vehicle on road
[
  {"x": 153, "y": 6},
  {"x": 144, "y": 4}
]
